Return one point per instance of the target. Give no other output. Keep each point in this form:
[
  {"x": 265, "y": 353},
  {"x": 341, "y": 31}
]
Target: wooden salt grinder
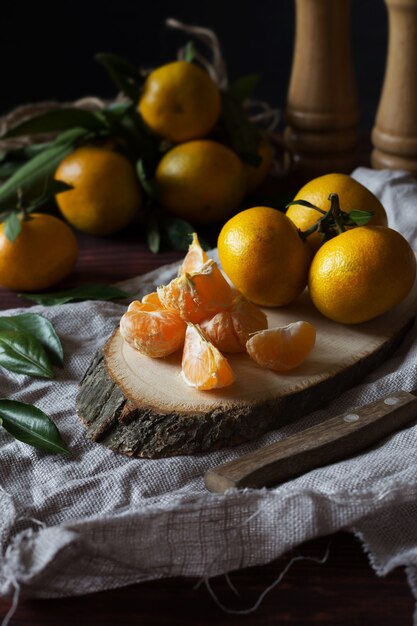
[
  {"x": 322, "y": 103},
  {"x": 395, "y": 132}
]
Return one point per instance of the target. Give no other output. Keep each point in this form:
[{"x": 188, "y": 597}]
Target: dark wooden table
[{"x": 344, "y": 591}]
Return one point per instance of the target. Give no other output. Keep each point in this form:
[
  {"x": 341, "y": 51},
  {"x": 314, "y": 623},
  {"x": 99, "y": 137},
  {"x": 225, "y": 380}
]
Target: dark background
[{"x": 48, "y": 53}]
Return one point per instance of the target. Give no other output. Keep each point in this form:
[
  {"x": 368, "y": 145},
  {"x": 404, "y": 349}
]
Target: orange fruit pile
[
  {"x": 199, "y": 178},
  {"x": 361, "y": 272},
  {"x": 200, "y": 312}
]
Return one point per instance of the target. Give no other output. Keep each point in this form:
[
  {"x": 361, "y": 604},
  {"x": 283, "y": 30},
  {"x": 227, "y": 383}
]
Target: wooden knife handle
[{"x": 329, "y": 441}]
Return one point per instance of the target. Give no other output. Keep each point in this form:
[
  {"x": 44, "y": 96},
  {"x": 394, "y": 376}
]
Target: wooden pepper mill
[
  {"x": 395, "y": 133},
  {"x": 322, "y": 103}
]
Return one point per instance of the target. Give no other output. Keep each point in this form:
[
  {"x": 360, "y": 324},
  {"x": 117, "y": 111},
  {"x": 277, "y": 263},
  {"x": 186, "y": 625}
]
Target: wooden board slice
[{"x": 140, "y": 406}]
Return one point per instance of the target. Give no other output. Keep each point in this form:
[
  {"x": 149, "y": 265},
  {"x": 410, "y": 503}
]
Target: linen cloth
[{"x": 96, "y": 520}]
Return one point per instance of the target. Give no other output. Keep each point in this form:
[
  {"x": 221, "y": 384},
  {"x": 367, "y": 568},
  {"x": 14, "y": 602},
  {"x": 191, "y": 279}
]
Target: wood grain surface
[{"x": 344, "y": 591}]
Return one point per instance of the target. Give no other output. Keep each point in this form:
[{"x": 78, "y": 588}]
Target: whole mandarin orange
[
  {"x": 180, "y": 102},
  {"x": 43, "y": 253},
  {"x": 106, "y": 195},
  {"x": 361, "y": 274},
  {"x": 352, "y": 195},
  {"x": 263, "y": 255}
]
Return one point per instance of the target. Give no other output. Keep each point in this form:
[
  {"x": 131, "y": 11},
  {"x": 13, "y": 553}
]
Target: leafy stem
[{"x": 334, "y": 221}]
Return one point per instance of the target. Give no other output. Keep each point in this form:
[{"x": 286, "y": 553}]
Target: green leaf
[
  {"x": 153, "y": 235},
  {"x": 41, "y": 167},
  {"x": 8, "y": 168},
  {"x": 358, "y": 218},
  {"x": 51, "y": 188},
  {"x": 307, "y": 204},
  {"x": 245, "y": 86},
  {"x": 190, "y": 52},
  {"x": 124, "y": 75},
  {"x": 31, "y": 425},
  {"x": 12, "y": 226},
  {"x": 38, "y": 327},
  {"x": 243, "y": 135},
  {"x": 86, "y": 292},
  {"x": 177, "y": 233},
  {"x": 12, "y": 159},
  {"x": 118, "y": 109},
  {"x": 22, "y": 153},
  {"x": 23, "y": 354},
  {"x": 57, "y": 121},
  {"x": 150, "y": 187}
]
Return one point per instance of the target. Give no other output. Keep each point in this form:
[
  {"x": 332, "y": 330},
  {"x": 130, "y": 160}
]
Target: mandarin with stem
[{"x": 352, "y": 196}]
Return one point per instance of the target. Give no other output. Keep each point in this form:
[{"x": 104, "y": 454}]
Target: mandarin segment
[
  {"x": 152, "y": 331},
  {"x": 197, "y": 295},
  {"x": 230, "y": 330},
  {"x": 195, "y": 258},
  {"x": 152, "y": 298},
  {"x": 283, "y": 348},
  {"x": 203, "y": 366},
  {"x": 220, "y": 331}
]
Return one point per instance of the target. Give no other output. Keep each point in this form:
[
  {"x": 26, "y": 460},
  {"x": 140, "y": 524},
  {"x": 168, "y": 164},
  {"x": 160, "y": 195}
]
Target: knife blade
[{"x": 327, "y": 442}]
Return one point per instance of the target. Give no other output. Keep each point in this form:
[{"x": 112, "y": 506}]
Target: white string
[
  {"x": 231, "y": 585},
  {"x": 31, "y": 519},
  {"x": 215, "y": 68},
  {"x": 252, "y": 609},
  {"x": 15, "y": 602},
  {"x": 9, "y": 574}
]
